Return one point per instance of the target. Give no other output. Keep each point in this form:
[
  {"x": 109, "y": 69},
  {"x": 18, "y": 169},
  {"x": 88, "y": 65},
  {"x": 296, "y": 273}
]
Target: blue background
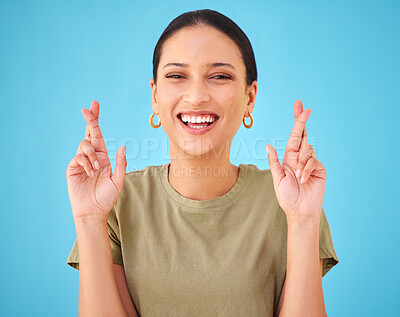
[{"x": 341, "y": 58}]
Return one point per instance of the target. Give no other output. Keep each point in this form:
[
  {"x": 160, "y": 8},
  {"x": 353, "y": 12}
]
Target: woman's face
[{"x": 201, "y": 94}]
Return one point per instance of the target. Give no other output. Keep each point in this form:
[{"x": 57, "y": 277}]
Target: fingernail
[
  {"x": 267, "y": 150},
  {"x": 124, "y": 151},
  {"x": 298, "y": 173},
  {"x": 96, "y": 165},
  {"x": 302, "y": 180},
  {"x": 92, "y": 173}
]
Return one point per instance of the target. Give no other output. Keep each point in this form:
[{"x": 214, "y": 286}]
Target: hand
[
  {"x": 300, "y": 182},
  {"x": 92, "y": 188}
]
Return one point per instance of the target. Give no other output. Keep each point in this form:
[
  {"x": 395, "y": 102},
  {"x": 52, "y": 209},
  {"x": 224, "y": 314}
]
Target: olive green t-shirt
[{"x": 220, "y": 257}]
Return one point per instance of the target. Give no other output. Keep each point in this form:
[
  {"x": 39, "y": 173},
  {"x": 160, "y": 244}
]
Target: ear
[
  {"x": 251, "y": 92},
  {"x": 154, "y": 102}
]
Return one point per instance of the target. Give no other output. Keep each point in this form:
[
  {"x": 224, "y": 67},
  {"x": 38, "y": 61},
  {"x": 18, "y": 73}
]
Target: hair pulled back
[{"x": 214, "y": 19}]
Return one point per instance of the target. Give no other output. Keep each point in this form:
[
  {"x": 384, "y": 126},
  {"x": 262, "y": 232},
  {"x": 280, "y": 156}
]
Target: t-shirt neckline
[{"x": 223, "y": 200}]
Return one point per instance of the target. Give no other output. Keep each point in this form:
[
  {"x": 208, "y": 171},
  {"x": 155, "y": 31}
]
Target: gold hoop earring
[
  {"x": 151, "y": 121},
  {"x": 248, "y": 126}
]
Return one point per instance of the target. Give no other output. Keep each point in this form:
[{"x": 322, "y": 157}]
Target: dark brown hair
[{"x": 220, "y": 22}]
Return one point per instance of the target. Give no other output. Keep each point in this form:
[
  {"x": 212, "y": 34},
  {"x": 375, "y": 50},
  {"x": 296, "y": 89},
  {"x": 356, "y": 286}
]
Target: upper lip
[{"x": 198, "y": 113}]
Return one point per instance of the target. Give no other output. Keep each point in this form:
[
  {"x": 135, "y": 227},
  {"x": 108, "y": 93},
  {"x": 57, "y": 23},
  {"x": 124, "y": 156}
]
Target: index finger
[
  {"x": 296, "y": 135},
  {"x": 96, "y": 138}
]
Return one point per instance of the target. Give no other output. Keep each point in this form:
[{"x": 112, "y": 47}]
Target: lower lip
[{"x": 197, "y": 131}]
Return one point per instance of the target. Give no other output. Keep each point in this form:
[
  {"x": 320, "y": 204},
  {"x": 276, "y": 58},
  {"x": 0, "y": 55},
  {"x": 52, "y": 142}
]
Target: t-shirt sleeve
[
  {"x": 115, "y": 242},
  {"x": 326, "y": 248}
]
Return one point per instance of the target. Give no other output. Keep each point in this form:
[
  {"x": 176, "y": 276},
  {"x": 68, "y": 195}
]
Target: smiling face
[{"x": 201, "y": 93}]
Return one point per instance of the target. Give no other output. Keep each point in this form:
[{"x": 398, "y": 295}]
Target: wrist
[
  {"x": 303, "y": 233},
  {"x": 299, "y": 222},
  {"x": 90, "y": 230},
  {"x": 306, "y": 217},
  {"x": 92, "y": 221}
]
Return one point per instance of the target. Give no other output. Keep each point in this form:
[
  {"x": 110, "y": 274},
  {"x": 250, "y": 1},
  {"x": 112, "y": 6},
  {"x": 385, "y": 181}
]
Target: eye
[
  {"x": 176, "y": 76},
  {"x": 222, "y": 76}
]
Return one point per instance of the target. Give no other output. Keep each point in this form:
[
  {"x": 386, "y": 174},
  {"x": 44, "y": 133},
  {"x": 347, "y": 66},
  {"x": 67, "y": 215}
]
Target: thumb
[
  {"x": 120, "y": 168},
  {"x": 276, "y": 168}
]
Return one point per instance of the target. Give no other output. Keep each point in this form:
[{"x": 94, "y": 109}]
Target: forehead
[{"x": 201, "y": 45}]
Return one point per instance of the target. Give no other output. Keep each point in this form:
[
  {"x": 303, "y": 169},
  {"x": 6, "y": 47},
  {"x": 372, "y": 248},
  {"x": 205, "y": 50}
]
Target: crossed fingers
[
  {"x": 93, "y": 132},
  {"x": 306, "y": 157}
]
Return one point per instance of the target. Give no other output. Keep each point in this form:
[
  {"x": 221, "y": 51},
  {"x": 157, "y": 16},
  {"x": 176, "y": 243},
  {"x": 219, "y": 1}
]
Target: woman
[{"x": 200, "y": 236}]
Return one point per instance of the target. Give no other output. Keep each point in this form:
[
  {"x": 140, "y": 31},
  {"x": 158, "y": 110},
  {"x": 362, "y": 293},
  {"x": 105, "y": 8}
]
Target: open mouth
[{"x": 198, "y": 121}]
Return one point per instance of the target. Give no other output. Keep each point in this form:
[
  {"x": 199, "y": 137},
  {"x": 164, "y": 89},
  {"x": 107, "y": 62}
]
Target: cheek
[
  {"x": 230, "y": 100},
  {"x": 168, "y": 96},
  {"x": 234, "y": 105}
]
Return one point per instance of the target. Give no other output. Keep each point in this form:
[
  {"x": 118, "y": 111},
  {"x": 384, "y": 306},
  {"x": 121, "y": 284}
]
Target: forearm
[
  {"x": 303, "y": 286},
  {"x": 98, "y": 292}
]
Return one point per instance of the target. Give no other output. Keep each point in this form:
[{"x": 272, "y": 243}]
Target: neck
[{"x": 202, "y": 178}]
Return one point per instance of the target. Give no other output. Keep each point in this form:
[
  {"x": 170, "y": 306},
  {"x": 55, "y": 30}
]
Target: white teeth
[
  {"x": 197, "y": 126},
  {"x": 197, "y": 119}
]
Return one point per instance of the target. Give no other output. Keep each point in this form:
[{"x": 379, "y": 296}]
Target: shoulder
[
  {"x": 145, "y": 182},
  {"x": 151, "y": 173},
  {"x": 257, "y": 176},
  {"x": 255, "y": 171},
  {"x": 259, "y": 181},
  {"x": 147, "y": 172}
]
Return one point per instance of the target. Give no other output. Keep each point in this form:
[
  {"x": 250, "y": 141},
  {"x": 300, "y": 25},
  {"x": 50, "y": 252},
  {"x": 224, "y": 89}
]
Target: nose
[{"x": 197, "y": 92}]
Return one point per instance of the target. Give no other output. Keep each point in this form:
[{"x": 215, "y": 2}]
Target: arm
[
  {"x": 98, "y": 292},
  {"x": 299, "y": 184},
  {"x": 93, "y": 190},
  {"x": 279, "y": 307},
  {"x": 123, "y": 291},
  {"x": 303, "y": 285}
]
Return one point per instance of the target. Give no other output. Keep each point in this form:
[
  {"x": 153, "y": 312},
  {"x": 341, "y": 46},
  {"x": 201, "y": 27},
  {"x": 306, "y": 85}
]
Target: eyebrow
[{"x": 209, "y": 65}]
